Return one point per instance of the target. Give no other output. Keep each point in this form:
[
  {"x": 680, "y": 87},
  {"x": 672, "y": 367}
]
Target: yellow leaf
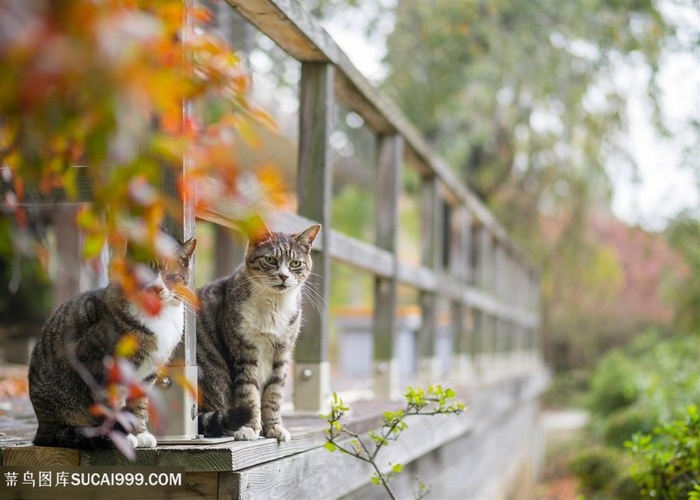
[
  {"x": 191, "y": 389},
  {"x": 127, "y": 345}
]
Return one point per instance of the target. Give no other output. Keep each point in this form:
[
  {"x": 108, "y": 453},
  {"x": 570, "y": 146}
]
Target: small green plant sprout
[{"x": 433, "y": 401}]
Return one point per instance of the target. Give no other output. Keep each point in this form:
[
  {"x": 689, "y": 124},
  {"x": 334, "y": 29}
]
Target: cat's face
[
  {"x": 167, "y": 275},
  {"x": 279, "y": 261}
]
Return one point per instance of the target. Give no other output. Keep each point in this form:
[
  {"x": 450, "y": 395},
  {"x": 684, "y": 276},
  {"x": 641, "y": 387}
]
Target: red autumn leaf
[
  {"x": 135, "y": 391},
  {"x": 112, "y": 370},
  {"x": 149, "y": 302}
]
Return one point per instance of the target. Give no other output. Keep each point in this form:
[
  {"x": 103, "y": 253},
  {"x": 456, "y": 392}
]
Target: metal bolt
[
  {"x": 307, "y": 373},
  {"x": 164, "y": 382},
  {"x": 199, "y": 436}
]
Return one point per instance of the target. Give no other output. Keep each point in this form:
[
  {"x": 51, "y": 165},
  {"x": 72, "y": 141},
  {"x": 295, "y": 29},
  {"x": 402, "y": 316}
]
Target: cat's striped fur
[
  {"x": 87, "y": 328},
  {"x": 246, "y": 328}
]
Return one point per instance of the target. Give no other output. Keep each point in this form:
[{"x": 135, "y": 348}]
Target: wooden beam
[
  {"x": 314, "y": 176},
  {"x": 389, "y": 165}
]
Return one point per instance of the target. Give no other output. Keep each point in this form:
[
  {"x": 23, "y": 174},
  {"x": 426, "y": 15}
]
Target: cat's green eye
[
  {"x": 294, "y": 264},
  {"x": 270, "y": 260}
]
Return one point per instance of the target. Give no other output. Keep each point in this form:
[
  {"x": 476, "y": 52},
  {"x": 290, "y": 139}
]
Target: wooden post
[
  {"x": 460, "y": 225},
  {"x": 181, "y": 401},
  {"x": 312, "y": 369},
  {"x": 386, "y": 369},
  {"x": 69, "y": 249},
  {"x": 229, "y": 251},
  {"x": 431, "y": 256},
  {"x": 486, "y": 262}
]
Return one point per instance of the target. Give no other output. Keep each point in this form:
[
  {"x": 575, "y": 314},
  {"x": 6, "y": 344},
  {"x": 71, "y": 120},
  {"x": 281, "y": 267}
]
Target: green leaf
[
  {"x": 397, "y": 468},
  {"x": 93, "y": 246},
  {"x": 330, "y": 446},
  {"x": 449, "y": 393},
  {"x": 375, "y": 480}
]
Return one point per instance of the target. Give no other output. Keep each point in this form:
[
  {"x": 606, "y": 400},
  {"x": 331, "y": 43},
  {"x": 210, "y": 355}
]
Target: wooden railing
[{"x": 467, "y": 258}]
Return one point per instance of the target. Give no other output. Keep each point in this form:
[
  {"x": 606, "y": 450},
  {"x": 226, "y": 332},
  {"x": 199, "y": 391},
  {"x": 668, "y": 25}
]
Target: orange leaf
[
  {"x": 135, "y": 391},
  {"x": 187, "y": 295},
  {"x": 98, "y": 410}
]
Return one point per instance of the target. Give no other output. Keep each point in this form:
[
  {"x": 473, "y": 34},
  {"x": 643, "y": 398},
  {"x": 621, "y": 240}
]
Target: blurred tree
[{"x": 524, "y": 100}]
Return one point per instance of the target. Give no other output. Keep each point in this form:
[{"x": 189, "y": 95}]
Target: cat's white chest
[
  {"x": 266, "y": 319},
  {"x": 270, "y": 314},
  {"x": 168, "y": 328}
]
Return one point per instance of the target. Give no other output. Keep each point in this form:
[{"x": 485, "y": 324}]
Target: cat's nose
[{"x": 283, "y": 277}]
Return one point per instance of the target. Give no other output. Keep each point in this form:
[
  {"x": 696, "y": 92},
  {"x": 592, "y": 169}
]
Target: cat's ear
[
  {"x": 256, "y": 230},
  {"x": 186, "y": 250},
  {"x": 307, "y": 237}
]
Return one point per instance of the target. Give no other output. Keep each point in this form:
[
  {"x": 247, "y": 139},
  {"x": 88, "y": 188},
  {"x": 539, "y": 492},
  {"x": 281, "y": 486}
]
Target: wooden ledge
[{"x": 241, "y": 466}]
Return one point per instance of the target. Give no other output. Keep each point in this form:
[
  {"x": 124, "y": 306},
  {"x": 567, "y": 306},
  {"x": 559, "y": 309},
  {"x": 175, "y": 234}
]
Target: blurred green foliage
[
  {"x": 667, "y": 462},
  {"x": 25, "y": 287},
  {"x": 650, "y": 386}
]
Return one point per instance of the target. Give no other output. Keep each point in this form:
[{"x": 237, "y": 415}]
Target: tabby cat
[
  {"x": 87, "y": 327},
  {"x": 246, "y": 328}
]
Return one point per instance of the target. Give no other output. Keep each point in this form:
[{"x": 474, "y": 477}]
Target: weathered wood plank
[
  {"x": 330, "y": 476},
  {"x": 319, "y": 474},
  {"x": 33, "y": 456},
  {"x": 314, "y": 176}
]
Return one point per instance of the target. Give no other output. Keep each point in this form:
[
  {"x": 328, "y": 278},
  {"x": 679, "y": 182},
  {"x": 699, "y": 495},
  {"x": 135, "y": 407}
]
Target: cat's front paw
[
  {"x": 145, "y": 440},
  {"x": 246, "y": 434},
  {"x": 278, "y": 432},
  {"x": 133, "y": 440}
]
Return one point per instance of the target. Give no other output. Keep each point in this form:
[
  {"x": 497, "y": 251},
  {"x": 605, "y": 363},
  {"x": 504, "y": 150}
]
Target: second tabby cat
[{"x": 246, "y": 328}]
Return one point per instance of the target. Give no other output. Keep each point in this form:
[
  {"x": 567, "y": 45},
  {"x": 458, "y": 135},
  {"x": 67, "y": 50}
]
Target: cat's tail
[
  {"x": 70, "y": 437},
  {"x": 223, "y": 422}
]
